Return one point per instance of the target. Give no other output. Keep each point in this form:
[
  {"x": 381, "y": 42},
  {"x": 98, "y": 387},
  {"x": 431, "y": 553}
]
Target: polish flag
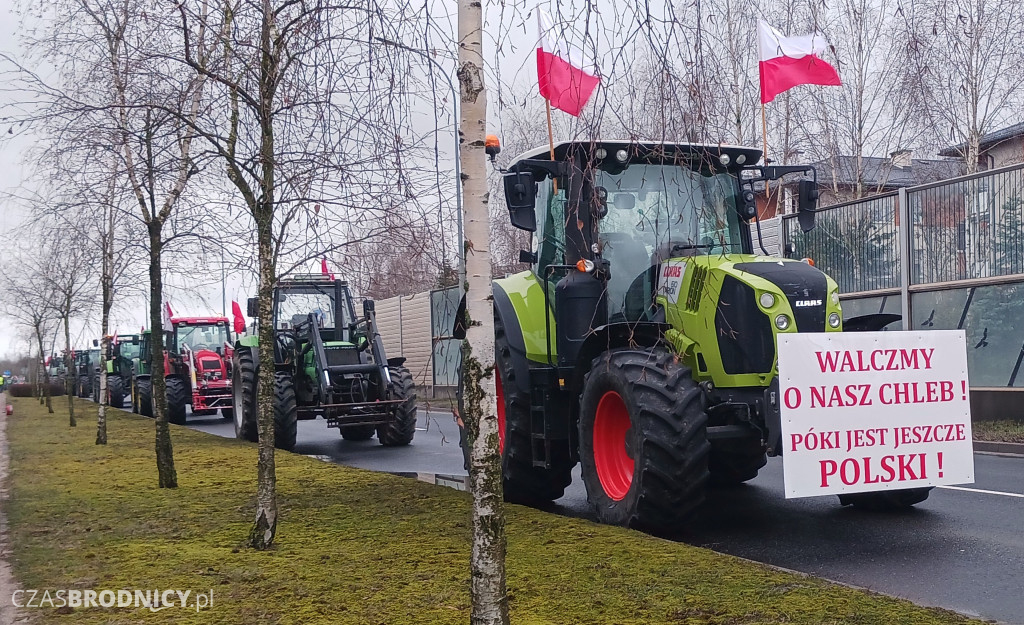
[
  {"x": 239, "y": 318},
  {"x": 168, "y": 313},
  {"x": 565, "y": 77},
  {"x": 790, "y": 61},
  {"x": 323, "y": 268}
]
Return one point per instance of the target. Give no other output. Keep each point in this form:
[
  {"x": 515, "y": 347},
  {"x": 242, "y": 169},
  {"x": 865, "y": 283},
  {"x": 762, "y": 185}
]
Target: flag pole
[
  {"x": 547, "y": 103},
  {"x": 551, "y": 142}
]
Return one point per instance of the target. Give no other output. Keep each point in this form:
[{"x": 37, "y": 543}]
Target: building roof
[
  {"x": 880, "y": 172},
  {"x": 987, "y": 141}
]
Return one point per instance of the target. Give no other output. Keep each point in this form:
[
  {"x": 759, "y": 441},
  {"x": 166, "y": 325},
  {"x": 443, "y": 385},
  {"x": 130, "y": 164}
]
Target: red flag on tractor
[
  {"x": 236, "y": 312},
  {"x": 565, "y": 76}
]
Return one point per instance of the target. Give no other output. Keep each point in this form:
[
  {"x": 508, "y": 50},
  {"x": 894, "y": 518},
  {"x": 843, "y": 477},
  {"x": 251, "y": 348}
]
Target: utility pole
[{"x": 487, "y": 563}]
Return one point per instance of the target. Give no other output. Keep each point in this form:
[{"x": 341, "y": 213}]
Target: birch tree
[{"x": 487, "y": 565}]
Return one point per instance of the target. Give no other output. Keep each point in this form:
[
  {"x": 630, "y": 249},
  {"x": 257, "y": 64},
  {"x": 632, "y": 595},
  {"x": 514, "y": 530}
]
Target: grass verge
[
  {"x": 353, "y": 546},
  {"x": 1005, "y": 431}
]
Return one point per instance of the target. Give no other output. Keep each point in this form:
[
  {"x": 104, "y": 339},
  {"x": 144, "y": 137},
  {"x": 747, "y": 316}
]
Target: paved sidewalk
[{"x": 7, "y": 587}]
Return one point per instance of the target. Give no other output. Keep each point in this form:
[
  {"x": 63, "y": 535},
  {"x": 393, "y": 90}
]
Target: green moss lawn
[{"x": 353, "y": 546}]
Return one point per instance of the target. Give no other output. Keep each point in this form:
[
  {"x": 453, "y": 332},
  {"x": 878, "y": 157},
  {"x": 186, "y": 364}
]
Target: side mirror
[
  {"x": 135, "y": 340},
  {"x": 520, "y": 197},
  {"x": 95, "y": 342},
  {"x": 807, "y": 203},
  {"x": 252, "y": 307},
  {"x": 368, "y": 307}
]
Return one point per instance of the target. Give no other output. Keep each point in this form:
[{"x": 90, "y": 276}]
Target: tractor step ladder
[{"x": 540, "y": 444}]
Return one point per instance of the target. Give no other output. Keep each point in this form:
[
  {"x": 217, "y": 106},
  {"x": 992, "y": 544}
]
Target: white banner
[{"x": 870, "y": 411}]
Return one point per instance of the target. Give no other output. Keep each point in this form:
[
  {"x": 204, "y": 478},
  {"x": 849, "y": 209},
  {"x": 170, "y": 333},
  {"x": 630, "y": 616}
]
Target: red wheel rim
[
  {"x": 500, "y": 396},
  {"x": 612, "y": 461}
]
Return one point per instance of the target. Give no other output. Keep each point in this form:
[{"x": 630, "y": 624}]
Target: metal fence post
[{"x": 905, "y": 239}]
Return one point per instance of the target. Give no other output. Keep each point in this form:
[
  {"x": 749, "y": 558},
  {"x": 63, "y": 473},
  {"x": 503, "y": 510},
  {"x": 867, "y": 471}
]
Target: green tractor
[
  {"x": 327, "y": 363},
  {"x": 120, "y": 356},
  {"x": 641, "y": 343}
]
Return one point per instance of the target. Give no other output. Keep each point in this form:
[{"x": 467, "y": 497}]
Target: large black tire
[
  {"x": 734, "y": 461},
  {"x": 286, "y": 412},
  {"x": 522, "y": 482},
  {"x": 886, "y": 500},
  {"x": 243, "y": 387},
  {"x": 115, "y": 391},
  {"x": 83, "y": 386},
  {"x": 96, "y": 389},
  {"x": 643, "y": 440},
  {"x": 177, "y": 399},
  {"x": 145, "y": 394},
  {"x": 358, "y": 432},
  {"x": 402, "y": 426}
]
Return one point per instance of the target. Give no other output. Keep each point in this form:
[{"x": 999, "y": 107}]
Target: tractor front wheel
[
  {"x": 400, "y": 429},
  {"x": 643, "y": 440},
  {"x": 357, "y": 432},
  {"x": 886, "y": 500},
  {"x": 144, "y": 391},
  {"x": 115, "y": 391},
  {"x": 734, "y": 461},
  {"x": 177, "y": 399},
  {"x": 243, "y": 387},
  {"x": 286, "y": 412}
]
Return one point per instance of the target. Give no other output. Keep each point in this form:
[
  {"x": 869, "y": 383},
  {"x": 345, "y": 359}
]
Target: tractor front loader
[
  {"x": 327, "y": 363},
  {"x": 642, "y": 341}
]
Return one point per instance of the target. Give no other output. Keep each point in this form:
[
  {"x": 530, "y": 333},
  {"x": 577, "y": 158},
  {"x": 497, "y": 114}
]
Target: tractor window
[
  {"x": 128, "y": 349},
  {"x": 550, "y": 236},
  {"x": 199, "y": 337},
  {"x": 657, "y": 212},
  {"x": 294, "y": 307}
]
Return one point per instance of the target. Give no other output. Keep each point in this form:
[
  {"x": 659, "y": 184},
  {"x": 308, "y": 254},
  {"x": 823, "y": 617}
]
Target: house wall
[{"x": 1008, "y": 152}]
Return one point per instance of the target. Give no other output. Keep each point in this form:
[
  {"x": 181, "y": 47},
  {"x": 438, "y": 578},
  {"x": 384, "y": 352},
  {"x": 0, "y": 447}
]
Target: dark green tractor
[
  {"x": 87, "y": 362},
  {"x": 120, "y": 356},
  {"x": 327, "y": 363}
]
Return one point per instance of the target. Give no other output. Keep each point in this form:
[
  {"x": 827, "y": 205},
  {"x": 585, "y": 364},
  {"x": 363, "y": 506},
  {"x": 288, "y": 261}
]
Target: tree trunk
[
  {"x": 164, "y": 450},
  {"x": 106, "y": 286},
  {"x": 46, "y": 370},
  {"x": 261, "y": 536},
  {"x": 487, "y": 564},
  {"x": 70, "y": 370}
]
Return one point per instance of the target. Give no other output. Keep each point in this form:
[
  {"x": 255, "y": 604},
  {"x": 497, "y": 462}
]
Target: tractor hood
[{"x": 751, "y": 300}]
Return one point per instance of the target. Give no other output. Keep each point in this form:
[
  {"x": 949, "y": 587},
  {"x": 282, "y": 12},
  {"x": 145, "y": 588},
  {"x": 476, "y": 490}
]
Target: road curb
[{"x": 997, "y": 447}]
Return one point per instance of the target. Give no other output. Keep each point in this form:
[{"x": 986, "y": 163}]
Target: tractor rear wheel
[
  {"x": 401, "y": 428},
  {"x": 243, "y": 386},
  {"x": 177, "y": 399},
  {"x": 357, "y": 432},
  {"x": 145, "y": 394},
  {"x": 115, "y": 391},
  {"x": 886, "y": 500},
  {"x": 643, "y": 440},
  {"x": 522, "y": 481},
  {"x": 734, "y": 461},
  {"x": 83, "y": 386},
  {"x": 286, "y": 412}
]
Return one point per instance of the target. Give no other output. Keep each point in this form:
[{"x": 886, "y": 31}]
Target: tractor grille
[
  {"x": 341, "y": 356},
  {"x": 745, "y": 337}
]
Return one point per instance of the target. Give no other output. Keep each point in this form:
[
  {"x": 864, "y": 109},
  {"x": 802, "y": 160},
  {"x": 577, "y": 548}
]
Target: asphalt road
[{"x": 961, "y": 549}]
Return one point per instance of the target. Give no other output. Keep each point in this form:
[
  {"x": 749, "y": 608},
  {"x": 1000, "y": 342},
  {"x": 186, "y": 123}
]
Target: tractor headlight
[
  {"x": 782, "y": 322},
  {"x": 622, "y": 156},
  {"x": 835, "y": 298},
  {"x": 834, "y": 320},
  {"x": 600, "y": 153},
  {"x": 724, "y": 159},
  {"x": 767, "y": 300},
  {"x": 742, "y": 158}
]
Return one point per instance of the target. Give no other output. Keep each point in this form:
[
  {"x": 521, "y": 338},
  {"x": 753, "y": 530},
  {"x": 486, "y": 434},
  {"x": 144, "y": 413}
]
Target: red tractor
[{"x": 197, "y": 364}]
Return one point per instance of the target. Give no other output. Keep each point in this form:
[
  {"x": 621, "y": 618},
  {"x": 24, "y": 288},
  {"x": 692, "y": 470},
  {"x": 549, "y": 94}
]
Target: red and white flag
[
  {"x": 565, "y": 76},
  {"x": 168, "y": 313},
  {"x": 790, "y": 61}
]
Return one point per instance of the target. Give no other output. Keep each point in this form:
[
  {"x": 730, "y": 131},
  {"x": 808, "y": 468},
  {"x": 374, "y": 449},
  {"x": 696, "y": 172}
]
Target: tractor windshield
[
  {"x": 206, "y": 336},
  {"x": 656, "y": 212},
  {"x": 128, "y": 349},
  {"x": 294, "y": 306}
]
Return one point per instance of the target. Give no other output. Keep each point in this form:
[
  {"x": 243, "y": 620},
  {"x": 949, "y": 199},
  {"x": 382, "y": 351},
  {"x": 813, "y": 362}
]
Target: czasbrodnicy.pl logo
[{"x": 154, "y": 600}]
